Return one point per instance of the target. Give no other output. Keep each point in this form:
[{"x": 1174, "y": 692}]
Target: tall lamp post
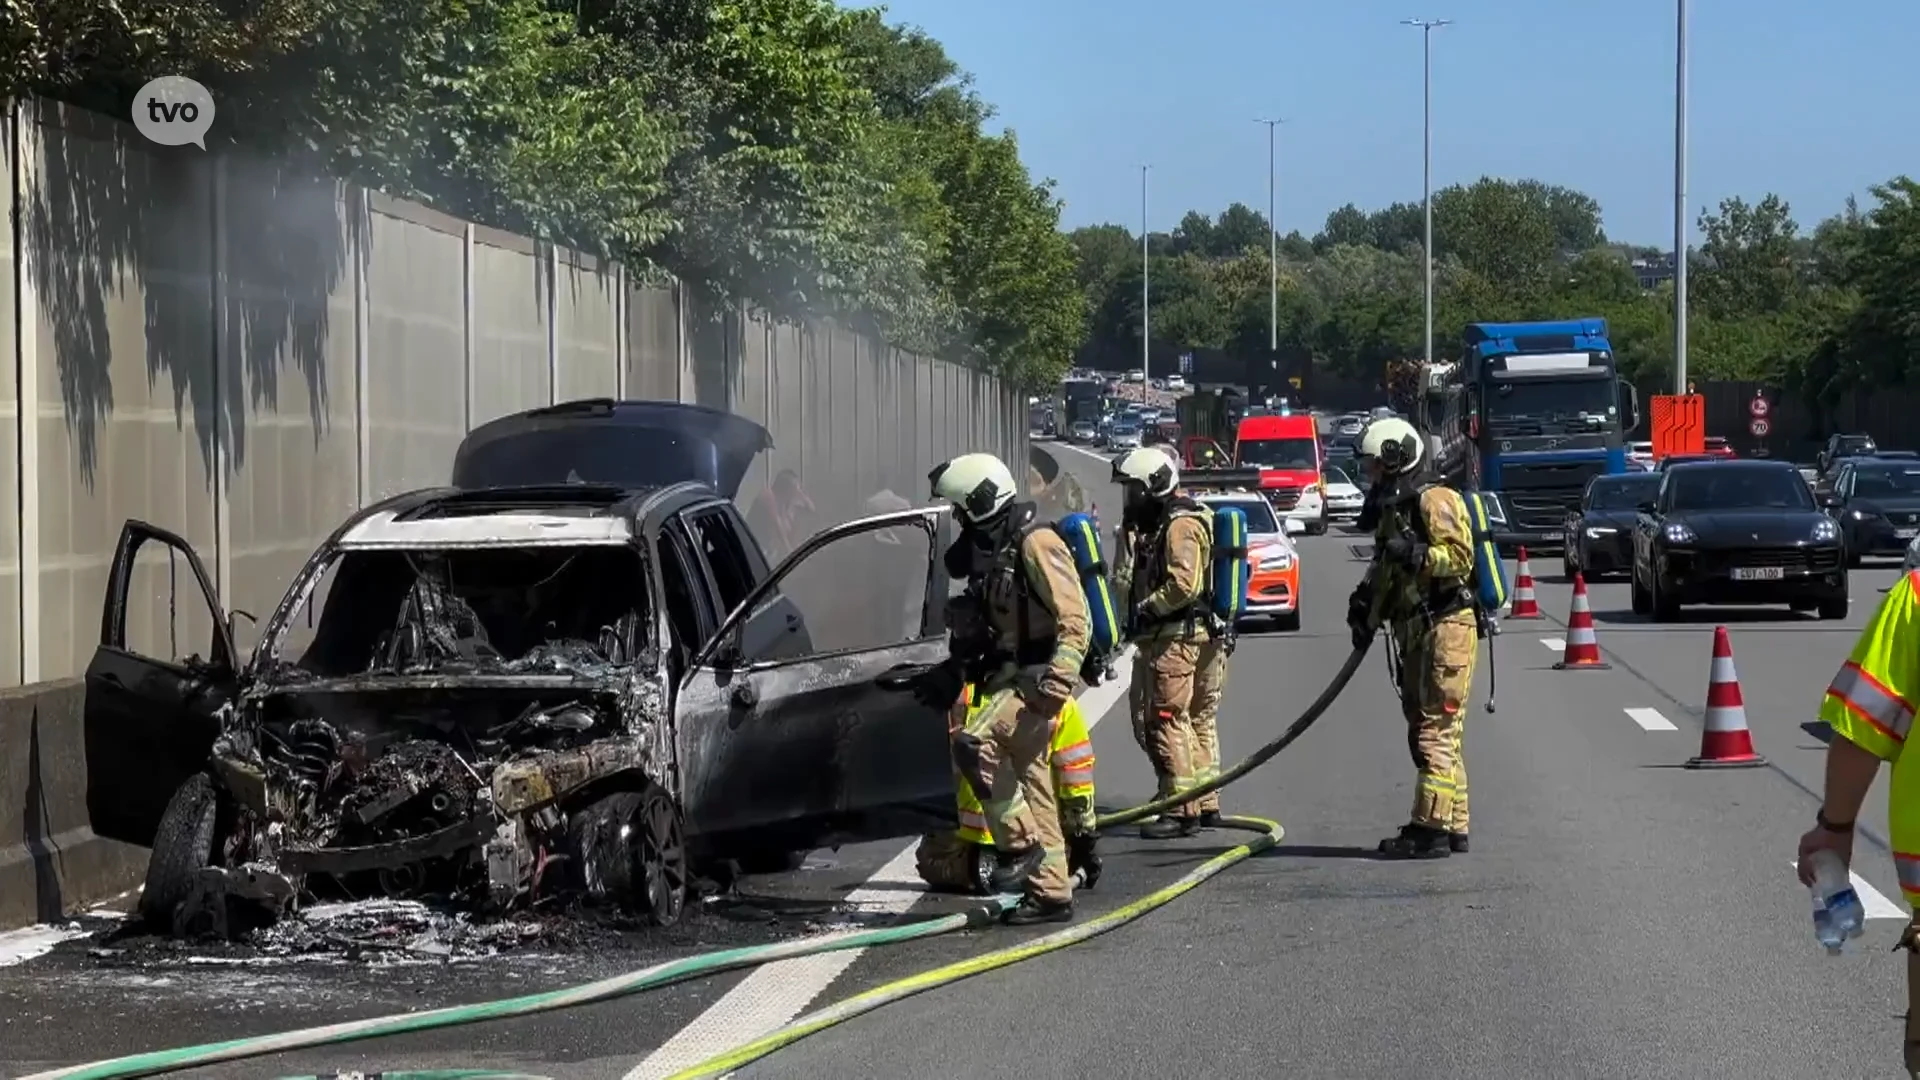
[
  {"x": 1273, "y": 242},
  {"x": 1427, "y": 27},
  {"x": 1146, "y": 293},
  {"x": 1680, "y": 201}
]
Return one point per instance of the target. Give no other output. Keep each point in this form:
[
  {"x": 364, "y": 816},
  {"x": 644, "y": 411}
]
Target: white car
[
  {"x": 1640, "y": 456},
  {"x": 1274, "y": 581},
  {"x": 1344, "y": 497}
]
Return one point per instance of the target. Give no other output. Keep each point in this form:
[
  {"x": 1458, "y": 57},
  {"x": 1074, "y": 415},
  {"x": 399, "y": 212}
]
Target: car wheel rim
[{"x": 662, "y": 858}]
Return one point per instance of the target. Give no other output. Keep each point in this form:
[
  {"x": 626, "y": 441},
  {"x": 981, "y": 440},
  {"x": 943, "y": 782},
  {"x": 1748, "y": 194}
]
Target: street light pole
[
  {"x": 1680, "y": 201},
  {"x": 1146, "y": 294},
  {"x": 1427, "y": 27},
  {"x": 1273, "y": 243}
]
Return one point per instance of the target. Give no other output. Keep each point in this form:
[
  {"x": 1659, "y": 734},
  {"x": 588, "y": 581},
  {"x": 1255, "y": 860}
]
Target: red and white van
[{"x": 1285, "y": 447}]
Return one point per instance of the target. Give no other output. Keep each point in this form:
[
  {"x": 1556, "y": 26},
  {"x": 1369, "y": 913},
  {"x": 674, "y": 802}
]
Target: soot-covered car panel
[{"x": 500, "y": 694}]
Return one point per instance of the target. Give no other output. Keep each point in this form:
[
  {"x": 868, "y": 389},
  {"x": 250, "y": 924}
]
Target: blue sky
[{"x": 1812, "y": 100}]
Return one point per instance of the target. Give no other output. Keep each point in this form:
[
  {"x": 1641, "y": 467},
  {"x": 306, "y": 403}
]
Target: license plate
[
  {"x": 1759, "y": 573},
  {"x": 1906, "y": 534}
]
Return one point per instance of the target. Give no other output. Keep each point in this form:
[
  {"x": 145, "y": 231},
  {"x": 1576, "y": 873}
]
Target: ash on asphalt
[{"x": 388, "y": 955}]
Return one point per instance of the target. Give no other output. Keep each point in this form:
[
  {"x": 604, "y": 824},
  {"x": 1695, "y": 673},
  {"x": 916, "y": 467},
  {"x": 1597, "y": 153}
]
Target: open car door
[
  {"x": 151, "y": 713},
  {"x": 778, "y": 750}
]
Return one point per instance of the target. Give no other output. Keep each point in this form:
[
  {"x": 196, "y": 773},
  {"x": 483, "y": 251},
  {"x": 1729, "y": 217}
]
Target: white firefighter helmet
[
  {"x": 978, "y": 485},
  {"x": 1393, "y": 442},
  {"x": 1150, "y": 467}
]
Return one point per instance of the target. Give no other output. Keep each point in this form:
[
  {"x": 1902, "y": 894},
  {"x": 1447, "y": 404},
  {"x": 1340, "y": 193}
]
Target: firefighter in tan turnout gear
[
  {"x": 1027, "y": 663},
  {"x": 1419, "y": 588},
  {"x": 1180, "y": 657}
]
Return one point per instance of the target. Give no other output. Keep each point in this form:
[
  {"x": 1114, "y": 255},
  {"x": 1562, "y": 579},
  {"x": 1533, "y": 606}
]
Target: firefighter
[
  {"x": 963, "y": 860},
  {"x": 1419, "y": 588},
  {"x": 1870, "y": 708},
  {"x": 1022, "y": 578},
  {"x": 1162, "y": 573}
]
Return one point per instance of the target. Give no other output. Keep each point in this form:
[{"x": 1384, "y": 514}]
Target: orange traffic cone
[
  {"x": 1583, "y": 649},
  {"x": 1525, "y": 606},
  {"x": 1726, "y": 742}
]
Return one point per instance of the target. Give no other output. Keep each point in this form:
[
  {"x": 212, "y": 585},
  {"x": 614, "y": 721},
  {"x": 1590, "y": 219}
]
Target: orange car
[{"x": 1273, "y": 588}]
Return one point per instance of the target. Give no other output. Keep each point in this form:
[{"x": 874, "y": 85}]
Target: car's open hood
[{"x": 632, "y": 444}]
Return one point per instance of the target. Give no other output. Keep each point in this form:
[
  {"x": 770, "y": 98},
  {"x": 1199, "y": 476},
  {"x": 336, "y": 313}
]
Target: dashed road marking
[
  {"x": 1650, "y": 720},
  {"x": 772, "y": 996},
  {"x": 1876, "y": 905},
  {"x": 1554, "y": 643}
]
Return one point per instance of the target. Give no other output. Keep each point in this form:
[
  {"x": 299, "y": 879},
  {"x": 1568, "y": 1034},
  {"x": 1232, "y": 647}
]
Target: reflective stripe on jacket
[
  {"x": 1870, "y": 704},
  {"x": 1072, "y": 767}
]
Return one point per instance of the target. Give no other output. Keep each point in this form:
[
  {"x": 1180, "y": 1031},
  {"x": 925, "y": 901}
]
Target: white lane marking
[
  {"x": 1877, "y": 906},
  {"x": 772, "y": 996},
  {"x": 1554, "y": 643},
  {"x": 1082, "y": 451},
  {"x": 1650, "y": 720},
  {"x": 19, "y": 946}
]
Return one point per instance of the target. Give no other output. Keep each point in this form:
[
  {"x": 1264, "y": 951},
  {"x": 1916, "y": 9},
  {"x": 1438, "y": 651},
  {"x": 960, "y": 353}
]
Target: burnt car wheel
[
  {"x": 182, "y": 847},
  {"x": 629, "y": 848}
]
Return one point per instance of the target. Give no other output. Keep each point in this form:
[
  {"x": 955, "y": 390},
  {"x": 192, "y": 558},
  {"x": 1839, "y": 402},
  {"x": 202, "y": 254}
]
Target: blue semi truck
[{"x": 1530, "y": 413}]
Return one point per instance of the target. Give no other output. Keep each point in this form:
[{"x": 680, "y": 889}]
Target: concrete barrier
[{"x": 51, "y": 863}]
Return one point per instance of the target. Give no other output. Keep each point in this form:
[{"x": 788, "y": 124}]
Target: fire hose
[{"x": 1268, "y": 834}]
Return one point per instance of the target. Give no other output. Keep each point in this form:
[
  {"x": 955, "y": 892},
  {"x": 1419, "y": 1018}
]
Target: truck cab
[
  {"x": 1285, "y": 447},
  {"x": 1531, "y": 413}
]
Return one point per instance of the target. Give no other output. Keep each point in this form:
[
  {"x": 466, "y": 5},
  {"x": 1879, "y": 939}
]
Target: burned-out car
[{"x": 570, "y": 674}]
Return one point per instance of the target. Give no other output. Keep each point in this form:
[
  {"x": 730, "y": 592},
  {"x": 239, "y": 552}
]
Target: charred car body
[{"x": 570, "y": 674}]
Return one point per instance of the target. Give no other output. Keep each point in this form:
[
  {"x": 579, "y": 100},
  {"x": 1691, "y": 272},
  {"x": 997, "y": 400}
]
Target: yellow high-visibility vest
[
  {"x": 1072, "y": 767},
  {"x": 1870, "y": 704}
]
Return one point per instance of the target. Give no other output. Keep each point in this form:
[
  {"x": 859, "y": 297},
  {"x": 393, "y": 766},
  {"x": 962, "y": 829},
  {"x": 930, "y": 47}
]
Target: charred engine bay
[{"x": 448, "y": 736}]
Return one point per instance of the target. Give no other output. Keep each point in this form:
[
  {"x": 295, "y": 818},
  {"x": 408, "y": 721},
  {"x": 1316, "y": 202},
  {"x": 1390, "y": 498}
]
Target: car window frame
[
  {"x": 674, "y": 536},
  {"x": 933, "y": 518}
]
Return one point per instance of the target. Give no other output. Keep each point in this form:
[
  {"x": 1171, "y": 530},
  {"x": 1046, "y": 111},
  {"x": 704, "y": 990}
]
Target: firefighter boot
[
  {"x": 1209, "y": 819},
  {"x": 1169, "y": 827},
  {"x": 1012, "y": 869},
  {"x": 1031, "y": 911},
  {"x": 1458, "y": 842},
  {"x": 1417, "y": 842}
]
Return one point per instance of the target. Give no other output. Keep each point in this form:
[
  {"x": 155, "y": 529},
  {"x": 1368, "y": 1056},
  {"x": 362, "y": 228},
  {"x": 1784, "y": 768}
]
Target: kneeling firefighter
[
  {"x": 964, "y": 860},
  {"x": 1028, "y": 663},
  {"x": 1420, "y": 588},
  {"x": 1162, "y": 568}
]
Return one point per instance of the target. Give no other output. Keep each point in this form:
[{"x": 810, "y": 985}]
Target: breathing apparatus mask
[{"x": 982, "y": 543}]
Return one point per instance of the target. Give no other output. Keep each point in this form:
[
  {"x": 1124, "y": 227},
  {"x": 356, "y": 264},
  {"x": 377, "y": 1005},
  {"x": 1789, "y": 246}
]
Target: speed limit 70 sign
[{"x": 1758, "y": 427}]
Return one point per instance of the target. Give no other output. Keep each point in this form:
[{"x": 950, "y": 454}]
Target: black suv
[{"x": 1736, "y": 532}]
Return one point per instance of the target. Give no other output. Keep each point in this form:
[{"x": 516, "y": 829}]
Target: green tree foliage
[
  {"x": 790, "y": 153},
  {"x": 1824, "y": 313}
]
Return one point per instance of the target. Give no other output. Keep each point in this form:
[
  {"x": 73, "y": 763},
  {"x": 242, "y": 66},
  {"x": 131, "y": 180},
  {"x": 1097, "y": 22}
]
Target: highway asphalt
[{"x": 1619, "y": 916}]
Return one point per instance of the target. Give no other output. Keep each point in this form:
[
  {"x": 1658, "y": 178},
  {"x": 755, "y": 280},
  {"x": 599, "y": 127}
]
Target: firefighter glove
[
  {"x": 940, "y": 686},
  {"x": 1406, "y": 551},
  {"x": 1360, "y": 615},
  {"x": 1082, "y": 859}
]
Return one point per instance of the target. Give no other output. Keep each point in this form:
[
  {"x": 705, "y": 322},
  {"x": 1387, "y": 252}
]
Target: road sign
[
  {"x": 1758, "y": 427},
  {"x": 1758, "y": 407},
  {"x": 1294, "y": 382},
  {"x": 1679, "y": 424},
  {"x": 1186, "y": 363}
]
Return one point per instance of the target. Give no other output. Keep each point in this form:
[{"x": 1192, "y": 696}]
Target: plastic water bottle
[{"x": 1837, "y": 913}]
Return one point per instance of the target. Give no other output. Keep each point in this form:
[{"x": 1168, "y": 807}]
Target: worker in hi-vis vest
[
  {"x": 962, "y": 859},
  {"x": 1870, "y": 706}
]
